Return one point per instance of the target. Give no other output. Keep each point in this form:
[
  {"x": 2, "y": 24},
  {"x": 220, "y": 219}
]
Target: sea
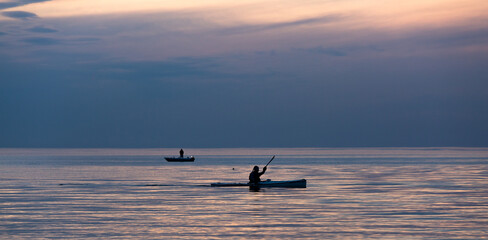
[{"x": 351, "y": 193}]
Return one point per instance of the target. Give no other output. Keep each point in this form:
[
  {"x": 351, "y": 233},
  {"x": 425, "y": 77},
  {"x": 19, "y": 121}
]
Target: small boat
[
  {"x": 180, "y": 159},
  {"x": 302, "y": 183}
]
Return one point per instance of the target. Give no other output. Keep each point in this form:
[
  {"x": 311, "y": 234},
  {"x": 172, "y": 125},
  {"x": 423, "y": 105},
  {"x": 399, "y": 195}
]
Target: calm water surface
[{"x": 369, "y": 193}]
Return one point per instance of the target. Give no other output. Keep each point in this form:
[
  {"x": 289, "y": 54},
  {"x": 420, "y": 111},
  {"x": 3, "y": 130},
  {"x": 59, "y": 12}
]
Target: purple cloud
[
  {"x": 273, "y": 26},
  {"x": 19, "y": 14},
  {"x": 11, "y": 4},
  {"x": 41, "y": 29},
  {"x": 42, "y": 41}
]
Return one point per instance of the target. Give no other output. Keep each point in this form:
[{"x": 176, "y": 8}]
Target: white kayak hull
[{"x": 302, "y": 183}]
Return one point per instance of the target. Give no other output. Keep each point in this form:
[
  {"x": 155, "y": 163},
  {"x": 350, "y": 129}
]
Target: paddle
[{"x": 270, "y": 161}]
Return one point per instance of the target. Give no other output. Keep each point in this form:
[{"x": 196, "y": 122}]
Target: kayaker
[
  {"x": 181, "y": 152},
  {"x": 255, "y": 174}
]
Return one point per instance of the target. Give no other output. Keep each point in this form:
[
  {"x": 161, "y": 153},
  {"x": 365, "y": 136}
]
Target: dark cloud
[
  {"x": 2, "y": 33},
  {"x": 341, "y": 51},
  {"x": 19, "y": 14},
  {"x": 42, "y": 41},
  {"x": 450, "y": 37},
  {"x": 5, "y": 5},
  {"x": 153, "y": 71},
  {"x": 16, "y": 3},
  {"x": 40, "y": 29},
  {"x": 336, "y": 52},
  {"x": 379, "y": 102},
  {"x": 85, "y": 40},
  {"x": 273, "y": 26},
  {"x": 273, "y": 98}
]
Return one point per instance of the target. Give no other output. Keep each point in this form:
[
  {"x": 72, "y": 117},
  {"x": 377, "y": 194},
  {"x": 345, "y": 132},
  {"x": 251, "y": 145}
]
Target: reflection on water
[{"x": 168, "y": 201}]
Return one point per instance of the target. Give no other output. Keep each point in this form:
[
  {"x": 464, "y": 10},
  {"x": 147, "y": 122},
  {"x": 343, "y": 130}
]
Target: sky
[{"x": 268, "y": 73}]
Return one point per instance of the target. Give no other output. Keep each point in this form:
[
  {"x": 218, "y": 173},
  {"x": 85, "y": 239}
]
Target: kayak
[
  {"x": 302, "y": 183},
  {"x": 180, "y": 159}
]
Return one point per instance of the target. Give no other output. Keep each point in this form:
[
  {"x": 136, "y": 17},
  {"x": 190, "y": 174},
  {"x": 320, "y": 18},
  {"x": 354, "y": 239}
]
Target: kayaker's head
[{"x": 255, "y": 169}]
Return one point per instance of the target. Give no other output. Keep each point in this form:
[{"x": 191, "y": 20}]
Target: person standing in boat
[
  {"x": 181, "y": 152},
  {"x": 254, "y": 176}
]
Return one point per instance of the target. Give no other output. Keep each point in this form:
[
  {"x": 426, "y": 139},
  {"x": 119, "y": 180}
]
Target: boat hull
[
  {"x": 302, "y": 183},
  {"x": 180, "y": 159}
]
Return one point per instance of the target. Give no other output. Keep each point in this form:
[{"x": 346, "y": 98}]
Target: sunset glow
[
  {"x": 328, "y": 66},
  {"x": 372, "y": 13}
]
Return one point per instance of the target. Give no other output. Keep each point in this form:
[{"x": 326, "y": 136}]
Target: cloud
[
  {"x": 451, "y": 37},
  {"x": 332, "y": 85},
  {"x": 273, "y": 26},
  {"x": 19, "y": 14},
  {"x": 336, "y": 52},
  {"x": 342, "y": 51},
  {"x": 40, "y": 29},
  {"x": 85, "y": 40},
  {"x": 139, "y": 104},
  {"x": 11, "y": 4},
  {"x": 180, "y": 68},
  {"x": 42, "y": 41}
]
